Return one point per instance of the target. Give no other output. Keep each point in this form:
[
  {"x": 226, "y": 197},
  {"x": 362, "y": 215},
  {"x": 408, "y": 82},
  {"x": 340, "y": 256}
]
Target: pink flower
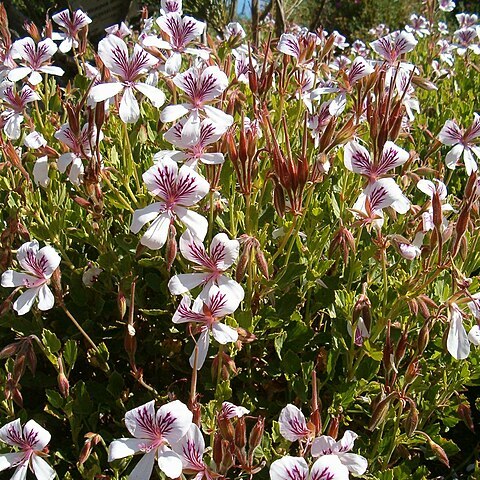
[
  {"x": 208, "y": 312},
  {"x": 462, "y": 143},
  {"x": 128, "y": 69},
  {"x": 30, "y": 441},
  {"x": 176, "y": 189},
  {"x": 153, "y": 432},
  {"x": 71, "y": 23},
  {"x": 38, "y": 266},
  {"x": 36, "y": 60},
  {"x": 212, "y": 266}
]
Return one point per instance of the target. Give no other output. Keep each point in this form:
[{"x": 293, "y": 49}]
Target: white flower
[
  {"x": 327, "y": 467},
  {"x": 462, "y": 143},
  {"x": 208, "y": 312},
  {"x": 128, "y": 69},
  {"x": 153, "y": 432},
  {"x": 30, "y": 440},
  {"x": 71, "y": 22},
  {"x": 327, "y": 446},
  {"x": 458, "y": 344},
  {"x": 36, "y": 60},
  {"x": 229, "y": 411},
  {"x": 177, "y": 189},
  {"x": 212, "y": 266},
  {"x": 38, "y": 266}
]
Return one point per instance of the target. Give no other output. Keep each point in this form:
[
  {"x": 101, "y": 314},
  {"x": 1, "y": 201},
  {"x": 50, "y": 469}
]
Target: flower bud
[
  {"x": 256, "y": 435},
  {"x": 243, "y": 262},
  {"x": 413, "y": 371},
  {"x": 261, "y": 262},
  {"x": 121, "y": 304},
  {"x": 171, "y": 247},
  {"x": 226, "y": 428},
  {"x": 240, "y": 433},
  {"x": 333, "y": 426},
  {"x": 217, "y": 449},
  {"x": 411, "y": 422},
  {"x": 227, "y": 458},
  {"x": 63, "y": 384},
  {"x": 401, "y": 347},
  {"x": 439, "y": 452},
  {"x": 32, "y": 30},
  {"x": 279, "y": 200},
  {"x": 423, "y": 338},
  {"x": 381, "y": 410},
  {"x": 465, "y": 413}
]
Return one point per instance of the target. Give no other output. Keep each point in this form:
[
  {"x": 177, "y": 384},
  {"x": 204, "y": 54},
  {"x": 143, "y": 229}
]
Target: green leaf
[
  {"x": 51, "y": 343},
  {"x": 54, "y": 398},
  {"x": 70, "y": 352},
  {"x": 278, "y": 343}
]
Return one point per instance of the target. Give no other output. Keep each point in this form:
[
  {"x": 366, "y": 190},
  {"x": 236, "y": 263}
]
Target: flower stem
[{"x": 79, "y": 327}]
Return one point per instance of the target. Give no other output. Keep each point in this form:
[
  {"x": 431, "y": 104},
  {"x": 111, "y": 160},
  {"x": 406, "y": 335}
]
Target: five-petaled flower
[
  {"x": 36, "y": 60},
  {"x": 392, "y": 46},
  {"x": 38, "y": 265},
  {"x": 326, "y": 446},
  {"x": 208, "y": 312},
  {"x": 213, "y": 265},
  {"x": 30, "y": 441},
  {"x": 128, "y": 69},
  {"x": 71, "y": 23},
  {"x": 154, "y": 433},
  {"x": 200, "y": 87},
  {"x": 177, "y": 189},
  {"x": 15, "y": 103},
  {"x": 462, "y": 142}
]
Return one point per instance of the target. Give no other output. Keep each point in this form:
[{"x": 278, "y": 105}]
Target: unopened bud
[
  {"x": 56, "y": 280},
  {"x": 243, "y": 262},
  {"x": 171, "y": 247},
  {"x": 381, "y": 411},
  {"x": 401, "y": 347},
  {"x": 10, "y": 350},
  {"x": 227, "y": 458},
  {"x": 32, "y": 30},
  {"x": 256, "y": 435},
  {"x": 226, "y": 428},
  {"x": 333, "y": 427},
  {"x": 63, "y": 384},
  {"x": 262, "y": 262},
  {"x": 465, "y": 413},
  {"x": 413, "y": 371},
  {"x": 423, "y": 338},
  {"x": 411, "y": 422},
  {"x": 439, "y": 452},
  {"x": 240, "y": 433},
  {"x": 18, "y": 368},
  {"x": 217, "y": 449},
  {"x": 279, "y": 200},
  {"x": 121, "y": 304}
]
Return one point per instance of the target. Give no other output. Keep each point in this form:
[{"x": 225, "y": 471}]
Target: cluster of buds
[
  {"x": 244, "y": 157},
  {"x": 290, "y": 176},
  {"x": 25, "y": 356},
  {"x": 260, "y": 84},
  {"x": 230, "y": 444},
  {"x": 251, "y": 246},
  {"x": 14, "y": 229},
  {"x": 342, "y": 241}
]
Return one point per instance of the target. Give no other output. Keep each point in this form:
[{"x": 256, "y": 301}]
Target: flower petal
[
  {"x": 157, "y": 233},
  {"x": 288, "y": 44},
  {"x": 145, "y": 215},
  {"x": 40, "y": 171},
  {"x": 18, "y": 73},
  {"x": 357, "y": 159},
  {"x": 170, "y": 463},
  {"x": 9, "y": 460},
  {"x": 20, "y": 472},
  {"x": 173, "y": 112},
  {"x": 104, "y": 91},
  {"x": 220, "y": 119},
  {"x": 143, "y": 469},
  {"x": 129, "y": 110},
  {"x": 190, "y": 186},
  {"x": 41, "y": 469},
  {"x": 224, "y": 251},
  {"x": 46, "y": 300},
  {"x": 48, "y": 260},
  {"x": 190, "y": 448},
  {"x": 140, "y": 421},
  {"x": 24, "y": 302},
  {"x": 223, "y": 333},
  {"x": 453, "y": 156},
  {"x": 184, "y": 282},
  {"x": 289, "y": 468},
  {"x": 450, "y": 133},
  {"x": 200, "y": 350},
  {"x": 10, "y": 278},
  {"x": 195, "y": 222},
  {"x": 174, "y": 420},
  {"x": 392, "y": 156},
  {"x": 323, "y": 445},
  {"x": 154, "y": 94},
  {"x": 329, "y": 467},
  {"x": 293, "y": 425},
  {"x": 457, "y": 340},
  {"x": 125, "y": 447},
  {"x": 474, "y": 335},
  {"x": 356, "y": 464},
  {"x": 12, "y": 431}
]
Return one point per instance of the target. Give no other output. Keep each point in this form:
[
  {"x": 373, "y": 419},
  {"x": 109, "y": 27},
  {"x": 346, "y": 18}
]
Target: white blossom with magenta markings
[
  {"x": 176, "y": 189},
  {"x": 38, "y": 265},
  {"x": 30, "y": 441},
  {"x": 128, "y": 69},
  {"x": 212, "y": 266},
  {"x": 328, "y": 467},
  {"x": 35, "y": 59},
  {"x": 154, "y": 433},
  {"x": 71, "y": 23},
  {"x": 208, "y": 312}
]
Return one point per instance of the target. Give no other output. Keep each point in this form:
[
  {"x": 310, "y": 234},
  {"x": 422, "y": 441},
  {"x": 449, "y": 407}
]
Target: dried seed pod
[{"x": 381, "y": 411}]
